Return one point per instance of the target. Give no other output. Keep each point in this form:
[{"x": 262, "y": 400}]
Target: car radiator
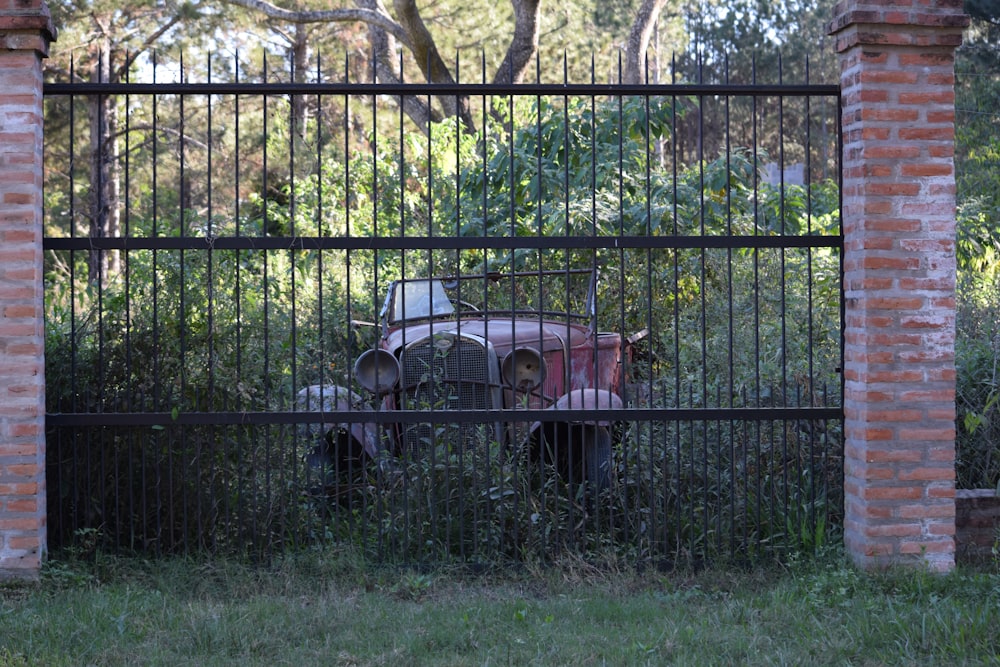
[{"x": 449, "y": 372}]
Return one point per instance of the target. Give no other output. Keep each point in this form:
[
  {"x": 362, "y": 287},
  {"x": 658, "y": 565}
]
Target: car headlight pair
[{"x": 522, "y": 369}]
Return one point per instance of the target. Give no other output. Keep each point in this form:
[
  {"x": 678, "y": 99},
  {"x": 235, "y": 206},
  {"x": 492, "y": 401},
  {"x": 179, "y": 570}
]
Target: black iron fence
[{"x": 221, "y": 256}]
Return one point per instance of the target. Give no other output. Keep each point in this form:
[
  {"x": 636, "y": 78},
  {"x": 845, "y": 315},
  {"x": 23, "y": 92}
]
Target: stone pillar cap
[
  {"x": 26, "y": 25},
  {"x": 898, "y": 23}
]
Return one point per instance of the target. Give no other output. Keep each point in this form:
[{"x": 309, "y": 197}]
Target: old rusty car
[{"x": 492, "y": 344}]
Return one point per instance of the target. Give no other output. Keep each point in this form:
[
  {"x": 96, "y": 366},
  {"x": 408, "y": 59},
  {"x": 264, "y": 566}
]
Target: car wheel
[
  {"x": 597, "y": 457},
  {"x": 336, "y": 463},
  {"x": 320, "y": 470}
]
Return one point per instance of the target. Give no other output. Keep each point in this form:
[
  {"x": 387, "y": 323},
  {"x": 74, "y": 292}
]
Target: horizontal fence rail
[
  {"x": 446, "y": 416},
  {"x": 437, "y": 89},
  {"x": 636, "y": 342},
  {"x": 436, "y": 243}
]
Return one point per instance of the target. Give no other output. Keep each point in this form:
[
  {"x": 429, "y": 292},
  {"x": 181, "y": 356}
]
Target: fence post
[
  {"x": 25, "y": 33},
  {"x": 897, "y": 89}
]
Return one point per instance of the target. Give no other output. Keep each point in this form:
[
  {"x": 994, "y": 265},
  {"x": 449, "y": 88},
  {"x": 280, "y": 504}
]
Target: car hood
[{"x": 504, "y": 333}]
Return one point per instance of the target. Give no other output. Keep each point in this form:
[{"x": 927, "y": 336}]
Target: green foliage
[
  {"x": 977, "y": 462},
  {"x": 977, "y": 166}
]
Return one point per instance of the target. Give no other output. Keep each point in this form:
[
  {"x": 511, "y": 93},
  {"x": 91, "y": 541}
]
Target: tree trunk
[
  {"x": 300, "y": 65},
  {"x": 383, "y": 68},
  {"x": 638, "y": 41},
  {"x": 428, "y": 59},
  {"x": 523, "y": 45},
  {"x": 105, "y": 177}
]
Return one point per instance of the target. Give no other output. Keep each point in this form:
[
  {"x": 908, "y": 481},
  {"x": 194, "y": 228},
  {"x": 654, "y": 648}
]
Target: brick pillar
[
  {"x": 25, "y": 33},
  {"x": 897, "y": 79}
]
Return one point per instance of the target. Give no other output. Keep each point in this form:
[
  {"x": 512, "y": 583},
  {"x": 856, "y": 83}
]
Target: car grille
[{"x": 447, "y": 372}]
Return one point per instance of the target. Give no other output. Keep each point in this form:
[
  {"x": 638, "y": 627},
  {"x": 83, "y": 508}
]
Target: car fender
[
  {"x": 330, "y": 398},
  {"x": 587, "y": 399},
  {"x": 564, "y": 443}
]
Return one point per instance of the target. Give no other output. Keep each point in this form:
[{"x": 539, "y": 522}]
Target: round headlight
[
  {"x": 377, "y": 371},
  {"x": 523, "y": 368}
]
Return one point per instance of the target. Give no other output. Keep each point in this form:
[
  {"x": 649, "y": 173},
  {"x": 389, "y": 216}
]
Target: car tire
[
  {"x": 319, "y": 470},
  {"x": 597, "y": 457}
]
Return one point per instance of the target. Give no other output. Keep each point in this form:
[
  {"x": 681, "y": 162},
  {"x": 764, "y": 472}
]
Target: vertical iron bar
[
  {"x": 703, "y": 324},
  {"x": 240, "y": 453},
  {"x": 180, "y": 401},
  {"x": 647, "y": 426},
  {"x": 755, "y": 119},
  {"x": 127, "y": 291},
  {"x": 157, "y": 359},
  {"x": 810, "y": 333},
  {"x": 64, "y": 434},
  {"x": 266, "y": 290},
  {"x": 730, "y": 333},
  {"x": 784, "y": 288},
  {"x": 98, "y": 208},
  {"x": 209, "y": 401},
  {"x": 675, "y": 215}
]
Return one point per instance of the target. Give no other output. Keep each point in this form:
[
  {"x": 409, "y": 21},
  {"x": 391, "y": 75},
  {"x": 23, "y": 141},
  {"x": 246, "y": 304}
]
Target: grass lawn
[{"x": 327, "y": 608}]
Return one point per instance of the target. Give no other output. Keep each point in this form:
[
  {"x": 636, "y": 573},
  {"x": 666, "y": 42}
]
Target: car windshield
[
  {"x": 558, "y": 294},
  {"x": 420, "y": 298}
]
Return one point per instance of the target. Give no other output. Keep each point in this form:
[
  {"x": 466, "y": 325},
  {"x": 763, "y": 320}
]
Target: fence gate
[{"x": 284, "y": 312}]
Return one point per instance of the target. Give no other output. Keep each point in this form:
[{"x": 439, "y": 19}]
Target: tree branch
[
  {"x": 374, "y": 17},
  {"x": 384, "y": 69},
  {"x": 148, "y": 42},
  {"x": 429, "y": 60}
]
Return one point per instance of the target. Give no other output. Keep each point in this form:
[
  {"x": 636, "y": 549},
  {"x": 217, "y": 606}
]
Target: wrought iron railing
[{"x": 244, "y": 242}]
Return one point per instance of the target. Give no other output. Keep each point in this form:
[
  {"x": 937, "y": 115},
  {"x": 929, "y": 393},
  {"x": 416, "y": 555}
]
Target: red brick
[
  {"x": 941, "y": 491},
  {"x": 893, "y": 189},
  {"x": 895, "y": 303},
  {"x": 909, "y": 529},
  {"x": 22, "y": 505},
  {"x": 892, "y": 493},
  {"x": 941, "y": 454},
  {"x": 893, "y": 455},
  {"x": 935, "y": 133},
  {"x": 928, "y": 246},
  {"x": 18, "y": 489},
  {"x": 926, "y": 511},
  {"x": 921, "y": 547},
  {"x": 19, "y": 449},
  {"x": 869, "y": 133},
  {"x": 24, "y": 429},
  {"x": 894, "y": 225},
  {"x": 939, "y": 474},
  {"x": 891, "y": 262},
  {"x": 21, "y": 470},
  {"x": 931, "y": 96},
  {"x": 925, "y": 395},
  {"x": 896, "y": 376},
  {"x": 888, "y": 77},
  {"x": 892, "y": 152},
  {"x": 24, "y": 542},
  {"x": 928, "y": 59},
  {"x": 926, "y": 169},
  {"x": 26, "y": 524},
  {"x": 893, "y": 415},
  {"x": 18, "y": 311}
]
